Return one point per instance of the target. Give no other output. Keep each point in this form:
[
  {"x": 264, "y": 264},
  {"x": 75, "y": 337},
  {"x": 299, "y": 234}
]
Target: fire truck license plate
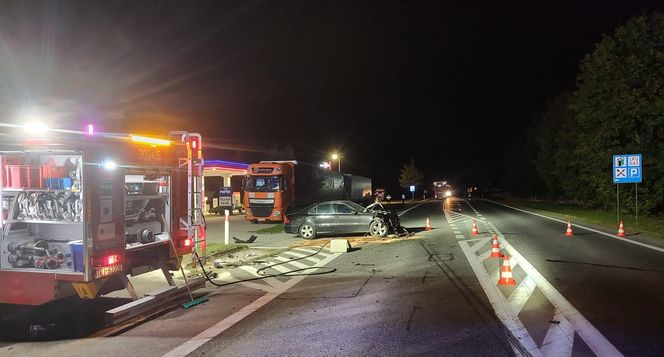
[{"x": 106, "y": 271}]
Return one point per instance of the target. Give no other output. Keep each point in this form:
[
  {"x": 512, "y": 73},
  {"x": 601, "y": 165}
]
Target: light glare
[
  {"x": 35, "y": 128},
  {"x": 149, "y": 140},
  {"x": 110, "y": 165}
]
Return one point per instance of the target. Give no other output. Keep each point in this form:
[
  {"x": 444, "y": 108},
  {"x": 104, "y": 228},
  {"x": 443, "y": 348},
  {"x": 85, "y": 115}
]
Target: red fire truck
[{"x": 82, "y": 210}]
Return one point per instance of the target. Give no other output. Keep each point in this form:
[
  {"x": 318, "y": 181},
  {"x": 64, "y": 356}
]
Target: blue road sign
[
  {"x": 412, "y": 188},
  {"x": 627, "y": 168}
]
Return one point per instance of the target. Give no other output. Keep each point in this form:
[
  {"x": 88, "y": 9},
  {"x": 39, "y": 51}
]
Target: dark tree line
[{"x": 617, "y": 107}]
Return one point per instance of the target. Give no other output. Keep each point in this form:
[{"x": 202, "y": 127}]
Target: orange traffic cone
[
  {"x": 621, "y": 230},
  {"x": 428, "y": 226},
  {"x": 495, "y": 248},
  {"x": 474, "y": 230},
  {"x": 506, "y": 272},
  {"x": 569, "y": 231}
]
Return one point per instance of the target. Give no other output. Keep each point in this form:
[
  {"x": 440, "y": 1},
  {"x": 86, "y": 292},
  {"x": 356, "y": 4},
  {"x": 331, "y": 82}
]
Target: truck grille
[{"x": 261, "y": 210}]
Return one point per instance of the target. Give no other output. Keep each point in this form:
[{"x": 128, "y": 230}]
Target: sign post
[{"x": 627, "y": 168}]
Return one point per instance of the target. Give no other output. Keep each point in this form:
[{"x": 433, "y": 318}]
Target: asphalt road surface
[
  {"x": 435, "y": 293},
  {"x": 414, "y": 296},
  {"x": 616, "y": 285}
]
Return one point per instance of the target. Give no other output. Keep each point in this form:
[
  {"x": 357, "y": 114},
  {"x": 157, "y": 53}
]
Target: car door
[
  {"x": 324, "y": 218},
  {"x": 346, "y": 218}
]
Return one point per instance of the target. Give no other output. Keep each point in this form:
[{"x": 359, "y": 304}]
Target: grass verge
[
  {"x": 652, "y": 226},
  {"x": 279, "y": 228}
]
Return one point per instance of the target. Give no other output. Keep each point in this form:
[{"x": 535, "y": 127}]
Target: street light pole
[{"x": 336, "y": 156}]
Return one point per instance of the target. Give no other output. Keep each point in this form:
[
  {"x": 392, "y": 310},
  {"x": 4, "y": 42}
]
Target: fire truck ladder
[{"x": 194, "y": 223}]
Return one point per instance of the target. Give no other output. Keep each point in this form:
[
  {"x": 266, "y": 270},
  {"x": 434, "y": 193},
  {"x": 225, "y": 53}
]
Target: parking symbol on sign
[{"x": 621, "y": 172}]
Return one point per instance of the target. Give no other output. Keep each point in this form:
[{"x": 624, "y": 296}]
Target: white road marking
[
  {"x": 214, "y": 331},
  {"x": 586, "y": 228},
  {"x": 296, "y": 255},
  {"x": 593, "y": 338},
  {"x": 506, "y": 315},
  {"x": 279, "y": 268},
  {"x": 559, "y": 336},
  {"x": 521, "y": 294},
  {"x": 467, "y": 217},
  {"x": 257, "y": 286},
  {"x": 274, "y": 282},
  {"x": 296, "y": 264},
  {"x": 460, "y": 236},
  {"x": 469, "y": 205},
  {"x": 484, "y": 256},
  {"x": 559, "y": 340},
  {"x": 309, "y": 251},
  {"x": 480, "y": 242}
]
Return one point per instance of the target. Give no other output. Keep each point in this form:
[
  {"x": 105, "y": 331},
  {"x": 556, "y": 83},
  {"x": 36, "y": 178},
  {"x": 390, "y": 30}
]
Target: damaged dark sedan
[{"x": 340, "y": 217}]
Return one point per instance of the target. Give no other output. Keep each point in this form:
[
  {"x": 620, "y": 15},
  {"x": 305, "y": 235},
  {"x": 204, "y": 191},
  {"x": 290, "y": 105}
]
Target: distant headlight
[{"x": 448, "y": 193}]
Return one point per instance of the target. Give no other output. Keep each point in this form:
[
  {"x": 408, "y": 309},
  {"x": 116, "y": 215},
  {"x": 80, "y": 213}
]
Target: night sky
[{"x": 451, "y": 84}]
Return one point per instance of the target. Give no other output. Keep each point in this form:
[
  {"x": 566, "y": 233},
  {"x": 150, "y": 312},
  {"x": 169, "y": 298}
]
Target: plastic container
[
  {"x": 52, "y": 183},
  {"x": 76, "y": 251},
  {"x": 65, "y": 183},
  {"x": 50, "y": 170},
  {"x": 23, "y": 176},
  {"x": 7, "y": 177}
]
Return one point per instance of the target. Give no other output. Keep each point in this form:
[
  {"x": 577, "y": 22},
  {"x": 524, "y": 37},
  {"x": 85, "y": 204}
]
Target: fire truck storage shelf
[
  {"x": 42, "y": 212},
  {"x": 80, "y": 214}
]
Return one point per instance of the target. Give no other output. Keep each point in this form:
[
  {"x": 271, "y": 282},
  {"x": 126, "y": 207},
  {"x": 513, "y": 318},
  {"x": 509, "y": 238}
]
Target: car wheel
[
  {"x": 378, "y": 228},
  {"x": 307, "y": 231}
]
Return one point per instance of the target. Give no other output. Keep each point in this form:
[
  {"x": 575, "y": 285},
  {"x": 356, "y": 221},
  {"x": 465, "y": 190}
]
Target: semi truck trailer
[{"x": 274, "y": 188}]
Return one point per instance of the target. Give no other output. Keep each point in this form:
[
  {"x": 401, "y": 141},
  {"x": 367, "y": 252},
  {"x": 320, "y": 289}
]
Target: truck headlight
[{"x": 448, "y": 193}]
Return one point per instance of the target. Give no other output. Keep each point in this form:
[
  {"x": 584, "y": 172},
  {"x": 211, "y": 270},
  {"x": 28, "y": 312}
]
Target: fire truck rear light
[
  {"x": 286, "y": 220},
  {"x": 187, "y": 242},
  {"x": 111, "y": 260}
]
